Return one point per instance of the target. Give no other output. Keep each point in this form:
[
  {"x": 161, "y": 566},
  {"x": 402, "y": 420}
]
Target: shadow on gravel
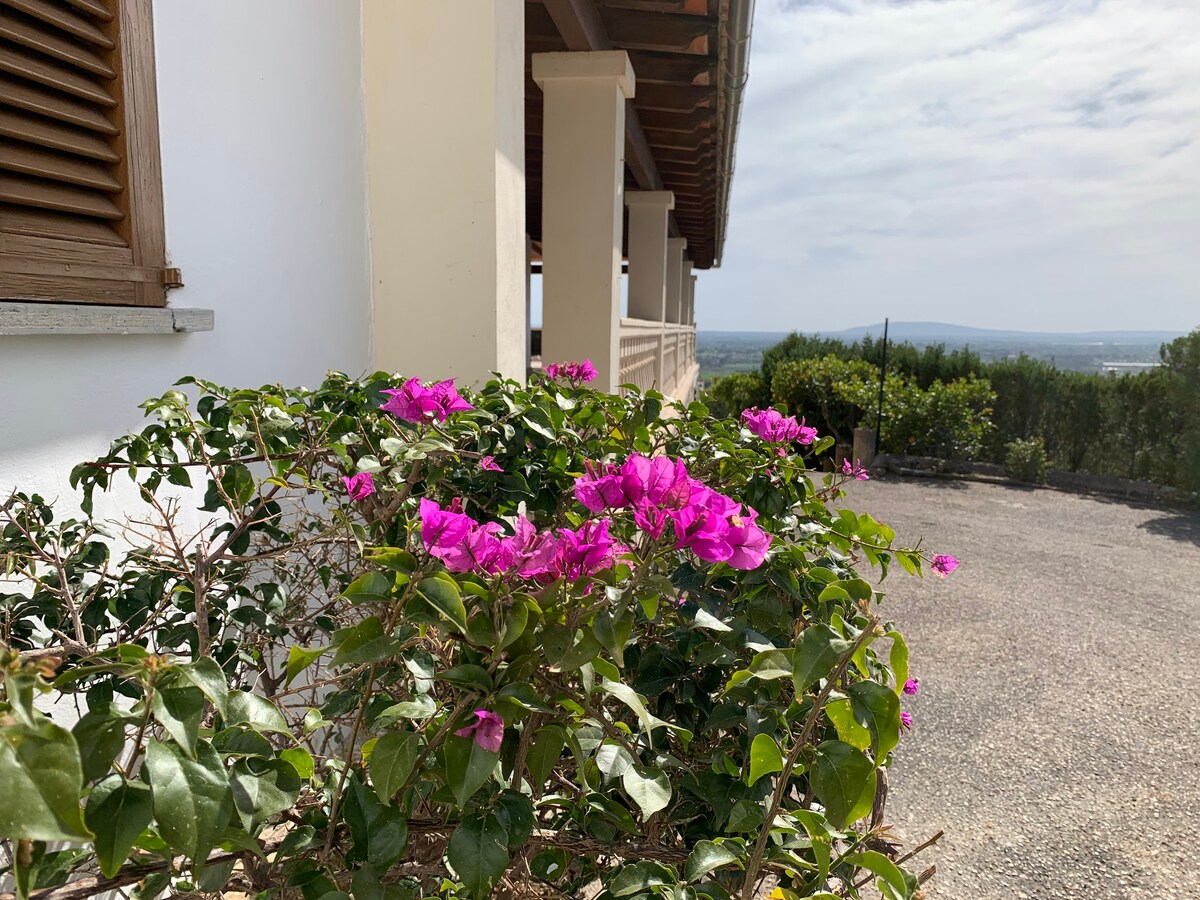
[
  {"x": 1176, "y": 526},
  {"x": 932, "y": 481}
]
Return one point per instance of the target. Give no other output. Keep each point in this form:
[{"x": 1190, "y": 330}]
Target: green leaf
[
  {"x": 364, "y": 643},
  {"x": 468, "y": 766},
  {"x": 707, "y": 857},
  {"x": 843, "y": 779},
  {"x": 515, "y": 811},
  {"x": 613, "y": 760},
  {"x": 263, "y": 788},
  {"x": 100, "y": 736},
  {"x": 636, "y": 702},
  {"x": 899, "y": 659},
  {"x": 841, "y": 714},
  {"x": 817, "y": 652},
  {"x": 300, "y": 658},
  {"x": 392, "y": 761},
  {"x": 192, "y": 799},
  {"x": 819, "y": 836},
  {"x": 705, "y": 619},
  {"x": 878, "y": 708},
  {"x": 373, "y": 586},
  {"x": 478, "y": 853},
  {"x": 207, "y": 675},
  {"x": 516, "y": 618},
  {"x": 771, "y": 664},
  {"x": 238, "y": 483},
  {"x": 43, "y": 779},
  {"x": 117, "y": 811},
  {"x": 443, "y": 594},
  {"x": 765, "y": 757},
  {"x": 639, "y": 877},
  {"x": 300, "y": 759},
  {"x": 893, "y": 882},
  {"x": 649, "y": 788},
  {"x": 379, "y": 833},
  {"x": 259, "y": 713},
  {"x": 544, "y": 753},
  {"x": 179, "y": 710},
  {"x": 468, "y": 676}
]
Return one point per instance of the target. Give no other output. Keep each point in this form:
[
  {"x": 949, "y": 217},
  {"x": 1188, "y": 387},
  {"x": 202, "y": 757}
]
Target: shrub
[
  {"x": 536, "y": 636},
  {"x": 816, "y": 389},
  {"x": 730, "y": 394},
  {"x": 1025, "y": 460}
]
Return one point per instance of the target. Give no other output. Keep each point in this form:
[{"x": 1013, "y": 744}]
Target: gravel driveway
[{"x": 1057, "y": 732}]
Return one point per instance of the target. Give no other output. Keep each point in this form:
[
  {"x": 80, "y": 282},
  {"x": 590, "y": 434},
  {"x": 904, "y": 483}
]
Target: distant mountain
[{"x": 940, "y": 332}]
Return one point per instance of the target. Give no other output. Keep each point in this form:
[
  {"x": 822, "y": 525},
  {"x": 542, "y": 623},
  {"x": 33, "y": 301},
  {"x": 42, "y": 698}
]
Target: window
[{"x": 81, "y": 217}]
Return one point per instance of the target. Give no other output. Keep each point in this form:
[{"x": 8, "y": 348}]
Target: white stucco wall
[{"x": 264, "y": 185}]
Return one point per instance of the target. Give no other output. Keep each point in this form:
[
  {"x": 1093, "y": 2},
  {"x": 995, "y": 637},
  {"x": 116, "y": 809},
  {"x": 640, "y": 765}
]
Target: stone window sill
[{"x": 82, "y": 318}]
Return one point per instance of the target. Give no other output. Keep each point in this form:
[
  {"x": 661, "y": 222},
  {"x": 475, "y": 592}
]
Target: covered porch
[{"x": 606, "y": 157}]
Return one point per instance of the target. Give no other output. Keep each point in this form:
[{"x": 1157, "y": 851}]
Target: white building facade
[{"x": 332, "y": 184}]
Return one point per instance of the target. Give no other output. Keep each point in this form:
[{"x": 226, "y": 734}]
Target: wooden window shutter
[{"x": 81, "y": 218}]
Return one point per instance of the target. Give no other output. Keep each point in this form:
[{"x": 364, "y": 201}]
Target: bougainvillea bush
[{"x": 532, "y": 641}]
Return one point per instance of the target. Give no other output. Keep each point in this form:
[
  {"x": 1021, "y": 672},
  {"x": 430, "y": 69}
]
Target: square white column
[
  {"x": 675, "y": 258},
  {"x": 444, "y": 91},
  {"x": 685, "y": 290},
  {"x": 647, "y": 252},
  {"x": 689, "y": 317},
  {"x": 583, "y": 179}
]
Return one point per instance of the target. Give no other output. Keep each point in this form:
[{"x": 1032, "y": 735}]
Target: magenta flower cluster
[
  {"x": 416, "y": 402},
  {"x": 943, "y": 564},
  {"x": 660, "y": 492},
  {"x": 575, "y": 372},
  {"x": 772, "y": 425},
  {"x": 360, "y": 486},
  {"x": 466, "y": 545},
  {"x": 854, "y": 470},
  {"x": 487, "y": 730}
]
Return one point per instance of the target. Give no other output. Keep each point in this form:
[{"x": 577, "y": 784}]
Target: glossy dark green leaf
[
  {"x": 373, "y": 586},
  {"x": 843, "y": 779},
  {"x": 263, "y": 788},
  {"x": 640, "y": 877},
  {"x": 192, "y": 799},
  {"x": 545, "y": 752},
  {"x": 443, "y": 594},
  {"x": 817, "y": 652},
  {"x": 245, "y": 708},
  {"x": 878, "y": 709},
  {"x": 379, "y": 833},
  {"x": 468, "y": 766},
  {"x": 300, "y": 658},
  {"x": 100, "y": 736},
  {"x": 765, "y": 758},
  {"x": 392, "y": 762},
  {"x": 205, "y": 674},
  {"x": 706, "y": 857},
  {"x": 42, "y": 780},
  {"x": 117, "y": 811},
  {"x": 179, "y": 710},
  {"x": 478, "y": 853}
]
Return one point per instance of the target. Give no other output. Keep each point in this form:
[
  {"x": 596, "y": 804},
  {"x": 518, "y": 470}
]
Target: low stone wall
[{"x": 1078, "y": 482}]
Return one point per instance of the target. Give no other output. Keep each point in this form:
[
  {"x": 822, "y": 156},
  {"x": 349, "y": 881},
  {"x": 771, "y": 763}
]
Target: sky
[{"x": 1028, "y": 164}]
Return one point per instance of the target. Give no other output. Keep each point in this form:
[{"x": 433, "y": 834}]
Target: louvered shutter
[{"x": 80, "y": 176}]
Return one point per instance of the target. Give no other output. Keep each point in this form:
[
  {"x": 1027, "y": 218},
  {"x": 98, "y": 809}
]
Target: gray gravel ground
[{"x": 1057, "y": 732}]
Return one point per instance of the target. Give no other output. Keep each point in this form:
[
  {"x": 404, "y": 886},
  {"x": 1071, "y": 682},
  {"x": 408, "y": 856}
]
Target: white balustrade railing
[{"x": 661, "y": 355}]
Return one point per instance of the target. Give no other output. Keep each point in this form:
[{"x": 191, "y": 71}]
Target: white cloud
[{"x": 1007, "y": 163}]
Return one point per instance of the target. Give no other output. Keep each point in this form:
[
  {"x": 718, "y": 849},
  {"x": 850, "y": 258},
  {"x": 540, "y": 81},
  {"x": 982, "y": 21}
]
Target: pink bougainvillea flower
[
  {"x": 750, "y": 543},
  {"x": 651, "y": 519},
  {"x": 906, "y": 720},
  {"x": 599, "y": 488},
  {"x": 530, "y": 552},
  {"x": 360, "y": 486},
  {"x": 772, "y": 425},
  {"x": 487, "y": 730},
  {"x": 943, "y": 564},
  {"x": 659, "y": 480},
  {"x": 912, "y": 686},
  {"x": 489, "y": 464},
  {"x": 443, "y": 528},
  {"x": 415, "y": 402},
  {"x": 854, "y": 470},
  {"x": 576, "y": 372},
  {"x": 586, "y": 550}
]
